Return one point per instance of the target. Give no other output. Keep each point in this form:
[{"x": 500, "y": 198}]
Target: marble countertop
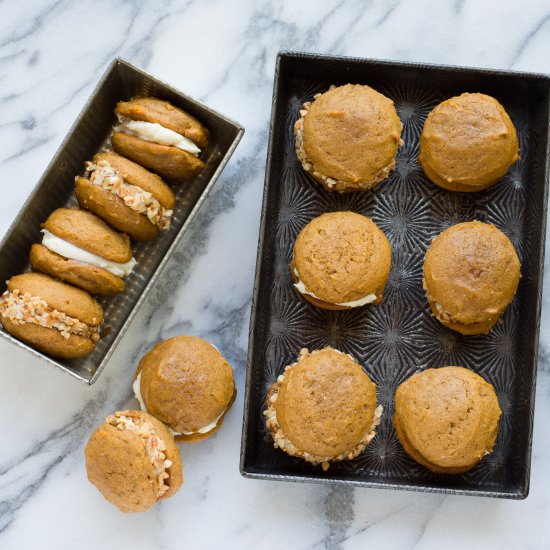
[{"x": 52, "y": 52}]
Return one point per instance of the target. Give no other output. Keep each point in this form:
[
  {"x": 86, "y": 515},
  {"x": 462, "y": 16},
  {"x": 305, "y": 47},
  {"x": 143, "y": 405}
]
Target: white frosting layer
[
  {"x": 301, "y": 288},
  {"x": 73, "y": 252},
  {"x": 136, "y": 386},
  {"x": 152, "y": 131}
]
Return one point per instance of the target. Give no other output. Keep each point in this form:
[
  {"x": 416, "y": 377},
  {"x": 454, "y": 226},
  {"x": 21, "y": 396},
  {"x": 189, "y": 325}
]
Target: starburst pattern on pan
[
  {"x": 492, "y": 466},
  {"x": 284, "y": 332},
  {"x": 510, "y": 219},
  {"x": 343, "y": 330},
  {"x": 413, "y": 105},
  {"x": 296, "y": 209},
  {"x": 405, "y": 280},
  {"x": 391, "y": 333},
  {"x": 383, "y": 456},
  {"x": 404, "y": 220},
  {"x": 408, "y": 174},
  {"x": 448, "y": 209},
  {"x": 307, "y": 90},
  {"x": 282, "y": 278},
  {"x": 521, "y": 119},
  {"x": 512, "y": 186},
  {"x": 440, "y": 346},
  {"x": 505, "y": 388},
  {"x": 498, "y": 355},
  {"x": 360, "y": 202}
]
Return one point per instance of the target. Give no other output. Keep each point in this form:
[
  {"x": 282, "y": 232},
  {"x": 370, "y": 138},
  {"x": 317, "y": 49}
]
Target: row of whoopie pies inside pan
[
  {"x": 184, "y": 385},
  {"x": 323, "y": 407},
  {"x": 90, "y": 248}
]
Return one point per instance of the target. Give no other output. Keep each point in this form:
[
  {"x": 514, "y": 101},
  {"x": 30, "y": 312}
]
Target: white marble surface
[{"x": 52, "y": 53}]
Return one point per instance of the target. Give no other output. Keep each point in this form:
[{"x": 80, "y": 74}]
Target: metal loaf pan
[
  {"x": 399, "y": 337},
  {"x": 88, "y": 135}
]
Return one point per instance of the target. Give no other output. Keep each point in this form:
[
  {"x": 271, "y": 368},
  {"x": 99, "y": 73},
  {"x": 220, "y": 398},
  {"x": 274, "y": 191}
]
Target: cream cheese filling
[
  {"x": 136, "y": 386},
  {"x": 72, "y": 252},
  {"x": 105, "y": 176},
  {"x": 282, "y": 442},
  {"x": 302, "y": 289},
  {"x": 152, "y": 131}
]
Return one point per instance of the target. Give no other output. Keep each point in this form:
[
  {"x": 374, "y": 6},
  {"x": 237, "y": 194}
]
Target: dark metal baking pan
[
  {"x": 55, "y": 189},
  {"x": 400, "y": 337}
]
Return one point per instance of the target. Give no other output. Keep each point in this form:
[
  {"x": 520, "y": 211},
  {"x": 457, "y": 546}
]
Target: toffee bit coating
[
  {"x": 143, "y": 202},
  {"x": 323, "y": 408},
  {"x": 25, "y": 308},
  {"x": 347, "y": 138}
]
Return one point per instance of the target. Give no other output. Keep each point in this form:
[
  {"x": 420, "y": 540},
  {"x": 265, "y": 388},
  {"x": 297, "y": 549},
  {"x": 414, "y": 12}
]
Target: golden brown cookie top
[
  {"x": 449, "y": 416},
  {"x": 135, "y": 174},
  {"x": 351, "y": 133},
  {"x": 119, "y": 465},
  {"x": 472, "y": 270},
  {"x": 468, "y": 143},
  {"x": 87, "y": 231},
  {"x": 186, "y": 383},
  {"x": 342, "y": 257},
  {"x": 326, "y": 403},
  {"x": 68, "y": 299},
  {"x": 150, "y": 109}
]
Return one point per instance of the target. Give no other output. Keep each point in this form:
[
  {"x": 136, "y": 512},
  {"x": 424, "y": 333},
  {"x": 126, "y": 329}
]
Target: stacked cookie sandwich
[{"x": 88, "y": 251}]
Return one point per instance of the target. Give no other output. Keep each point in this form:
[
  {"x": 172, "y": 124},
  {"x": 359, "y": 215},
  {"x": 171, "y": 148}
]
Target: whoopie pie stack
[
  {"x": 322, "y": 408},
  {"x": 88, "y": 251}
]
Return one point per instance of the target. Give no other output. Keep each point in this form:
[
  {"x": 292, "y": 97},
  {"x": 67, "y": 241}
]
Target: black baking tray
[
  {"x": 399, "y": 337},
  {"x": 89, "y": 134}
]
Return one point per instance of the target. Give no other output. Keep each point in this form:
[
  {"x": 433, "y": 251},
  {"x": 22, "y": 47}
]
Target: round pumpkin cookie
[
  {"x": 81, "y": 249},
  {"x": 323, "y": 408},
  {"x": 468, "y": 143},
  {"x": 471, "y": 274},
  {"x": 125, "y": 195},
  {"x": 133, "y": 461},
  {"x": 347, "y": 138},
  {"x": 52, "y": 317},
  {"x": 341, "y": 260},
  {"x": 446, "y": 418},
  {"x": 160, "y": 136},
  {"x": 186, "y": 383}
]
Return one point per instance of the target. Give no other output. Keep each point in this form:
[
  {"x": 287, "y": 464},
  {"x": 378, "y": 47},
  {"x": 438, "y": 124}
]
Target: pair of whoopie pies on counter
[
  {"x": 323, "y": 407},
  {"x": 90, "y": 247},
  {"x": 185, "y": 387}
]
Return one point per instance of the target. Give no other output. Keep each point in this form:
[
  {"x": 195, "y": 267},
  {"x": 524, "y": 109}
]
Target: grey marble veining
[{"x": 52, "y": 53}]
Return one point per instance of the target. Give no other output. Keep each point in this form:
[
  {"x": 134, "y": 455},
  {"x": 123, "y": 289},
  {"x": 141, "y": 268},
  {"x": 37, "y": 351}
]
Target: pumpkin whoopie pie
[
  {"x": 347, "y": 138},
  {"x": 471, "y": 274},
  {"x": 161, "y": 137},
  {"x": 446, "y": 418},
  {"x": 323, "y": 408},
  {"x": 468, "y": 143},
  {"x": 52, "y": 317},
  {"x": 341, "y": 260},
  {"x": 125, "y": 195},
  {"x": 133, "y": 461},
  {"x": 81, "y": 249},
  {"x": 186, "y": 383}
]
